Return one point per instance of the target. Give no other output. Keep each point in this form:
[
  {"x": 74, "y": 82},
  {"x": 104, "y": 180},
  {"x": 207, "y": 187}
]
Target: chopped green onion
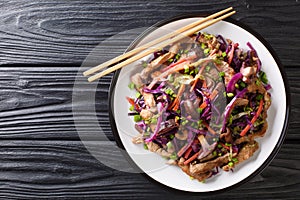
[
  {"x": 171, "y": 78},
  {"x": 203, "y": 46},
  {"x": 236, "y": 85},
  {"x": 224, "y": 54},
  {"x": 137, "y": 118},
  {"x": 172, "y": 137},
  {"x": 259, "y": 97},
  {"x": 242, "y": 84},
  {"x": 257, "y": 82},
  {"x": 184, "y": 122},
  {"x": 263, "y": 77},
  {"x": 207, "y": 68},
  {"x": 230, "y": 94},
  {"x": 228, "y": 144},
  {"x": 169, "y": 145},
  {"x": 214, "y": 153},
  {"x": 144, "y": 64},
  {"x": 221, "y": 74},
  {"x": 186, "y": 69},
  {"x": 145, "y": 146},
  {"x": 131, "y": 108},
  {"x": 235, "y": 160},
  {"x": 230, "y": 164},
  {"x": 137, "y": 95},
  {"x": 173, "y": 156},
  {"x": 153, "y": 120},
  {"x": 199, "y": 110},
  {"x": 131, "y": 86},
  {"x": 219, "y": 146},
  {"x": 206, "y": 51}
]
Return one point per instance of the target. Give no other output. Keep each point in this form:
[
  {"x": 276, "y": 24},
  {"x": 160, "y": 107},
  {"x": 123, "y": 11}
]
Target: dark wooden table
[{"x": 42, "y": 45}]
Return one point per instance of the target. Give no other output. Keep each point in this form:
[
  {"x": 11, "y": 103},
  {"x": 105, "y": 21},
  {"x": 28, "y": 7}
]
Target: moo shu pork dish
[{"x": 201, "y": 103}]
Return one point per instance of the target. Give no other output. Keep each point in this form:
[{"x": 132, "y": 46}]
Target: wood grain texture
[
  {"x": 66, "y": 31},
  {"x": 44, "y": 169},
  {"x": 42, "y": 45}
]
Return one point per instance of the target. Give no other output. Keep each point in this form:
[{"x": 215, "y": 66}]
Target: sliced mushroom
[
  {"x": 182, "y": 135},
  {"x": 226, "y": 136}
]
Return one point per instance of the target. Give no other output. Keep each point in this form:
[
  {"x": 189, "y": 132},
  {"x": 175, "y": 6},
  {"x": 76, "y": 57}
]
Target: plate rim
[{"x": 274, "y": 152}]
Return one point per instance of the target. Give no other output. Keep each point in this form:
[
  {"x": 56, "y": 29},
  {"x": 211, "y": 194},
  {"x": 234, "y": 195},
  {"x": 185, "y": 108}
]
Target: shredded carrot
[
  {"x": 194, "y": 84},
  {"x": 180, "y": 66},
  {"x": 213, "y": 94},
  {"x": 204, "y": 84},
  {"x": 209, "y": 128},
  {"x": 130, "y": 100},
  {"x": 247, "y": 128},
  {"x": 231, "y": 52},
  {"x": 188, "y": 152},
  {"x": 196, "y": 80},
  {"x": 226, "y": 147},
  {"x": 203, "y": 105},
  {"x": 181, "y": 151},
  {"x": 176, "y": 102},
  {"x": 174, "y": 64},
  {"x": 191, "y": 158}
]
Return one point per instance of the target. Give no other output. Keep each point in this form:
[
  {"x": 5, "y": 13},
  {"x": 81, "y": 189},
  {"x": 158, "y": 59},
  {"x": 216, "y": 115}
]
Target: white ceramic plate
[{"x": 153, "y": 165}]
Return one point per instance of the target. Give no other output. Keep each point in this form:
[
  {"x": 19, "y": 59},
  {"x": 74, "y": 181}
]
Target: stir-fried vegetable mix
[{"x": 200, "y": 103}]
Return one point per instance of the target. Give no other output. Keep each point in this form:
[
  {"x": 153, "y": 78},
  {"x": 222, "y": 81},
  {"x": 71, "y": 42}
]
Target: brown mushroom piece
[
  {"x": 183, "y": 135},
  {"x": 226, "y": 136}
]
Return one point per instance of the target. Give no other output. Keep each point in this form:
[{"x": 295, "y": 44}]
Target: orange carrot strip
[
  {"x": 181, "y": 151},
  {"x": 130, "y": 100},
  {"x": 203, "y": 105},
  {"x": 176, "y": 102},
  {"x": 174, "y": 64},
  {"x": 194, "y": 84},
  {"x": 196, "y": 80},
  {"x": 188, "y": 152},
  {"x": 191, "y": 158},
  {"x": 213, "y": 94},
  {"x": 209, "y": 129},
  {"x": 204, "y": 84},
  {"x": 246, "y": 129},
  {"x": 226, "y": 147}
]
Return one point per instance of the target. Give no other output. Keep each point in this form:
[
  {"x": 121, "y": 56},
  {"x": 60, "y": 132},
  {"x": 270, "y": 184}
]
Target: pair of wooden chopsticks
[{"x": 164, "y": 41}]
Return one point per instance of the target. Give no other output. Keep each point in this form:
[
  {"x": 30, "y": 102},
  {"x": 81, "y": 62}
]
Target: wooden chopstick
[
  {"x": 164, "y": 41},
  {"x": 154, "y": 42}
]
